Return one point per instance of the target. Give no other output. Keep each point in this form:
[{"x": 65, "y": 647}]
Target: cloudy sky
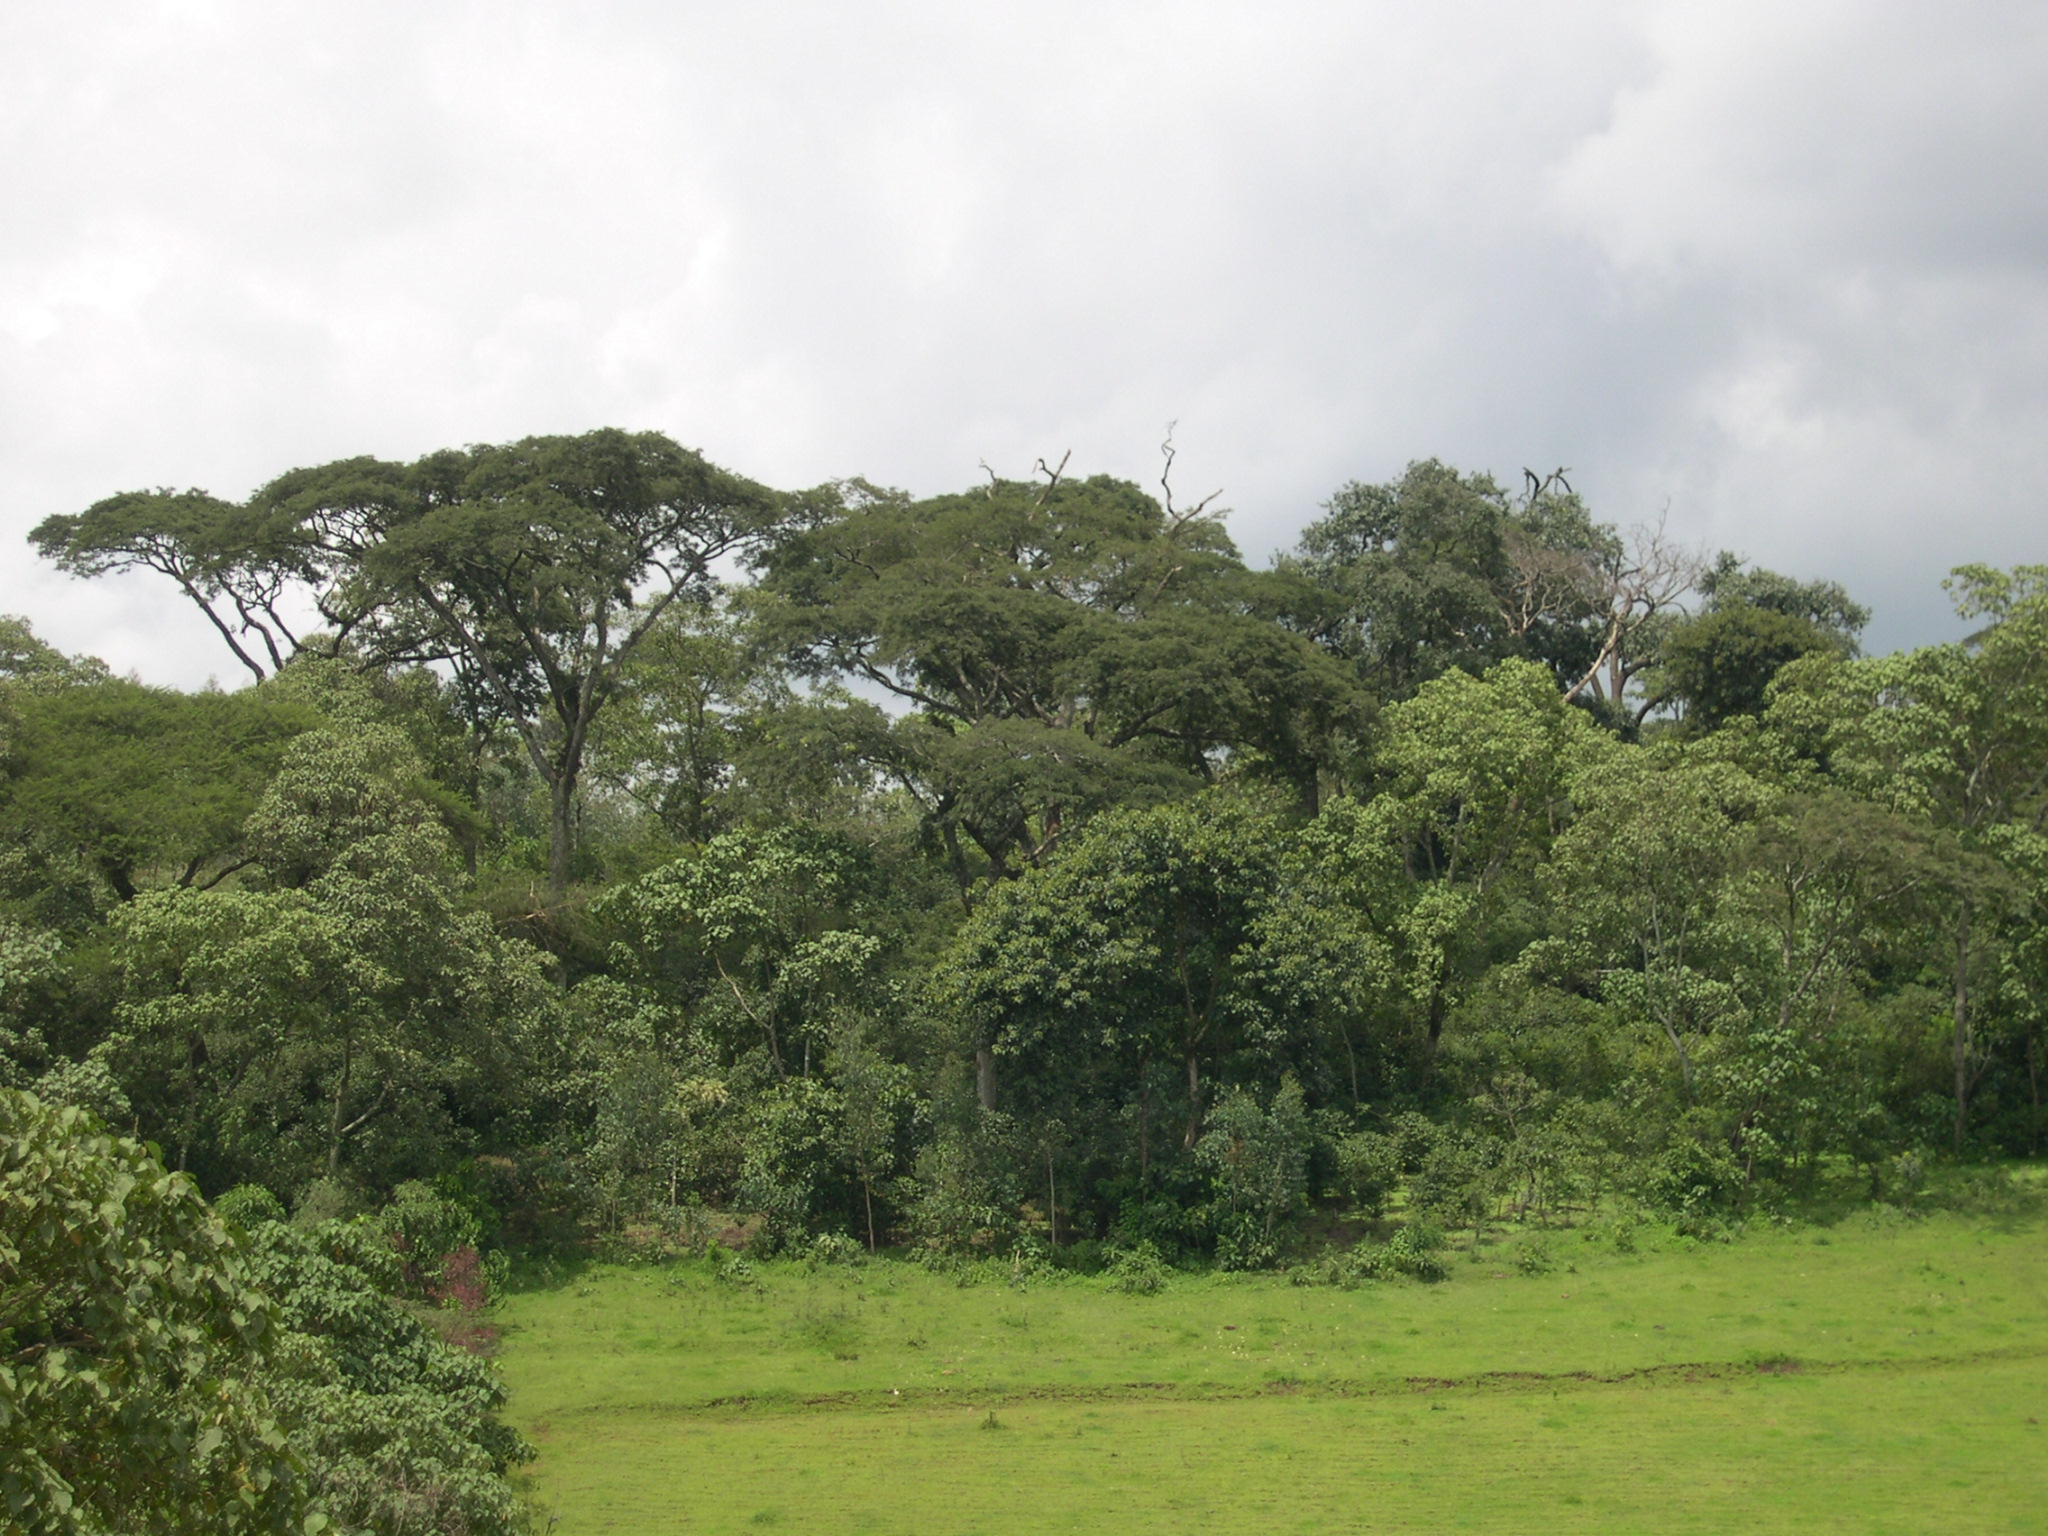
[{"x": 1776, "y": 271}]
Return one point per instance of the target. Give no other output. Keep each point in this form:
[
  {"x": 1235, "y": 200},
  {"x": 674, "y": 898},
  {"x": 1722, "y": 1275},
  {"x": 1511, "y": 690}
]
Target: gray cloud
[{"x": 1781, "y": 270}]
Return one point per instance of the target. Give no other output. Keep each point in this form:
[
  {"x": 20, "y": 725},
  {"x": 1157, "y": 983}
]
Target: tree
[
  {"x": 1639, "y": 878},
  {"x": 764, "y": 926},
  {"x": 1955, "y": 736},
  {"x": 145, "y": 782},
  {"x": 1130, "y": 948},
  {"x": 275, "y": 1027},
  {"x": 1063, "y": 647},
  {"x": 131, "y": 1393},
  {"x": 534, "y": 569},
  {"x": 1720, "y": 664},
  {"x": 1476, "y": 771},
  {"x": 1439, "y": 571}
]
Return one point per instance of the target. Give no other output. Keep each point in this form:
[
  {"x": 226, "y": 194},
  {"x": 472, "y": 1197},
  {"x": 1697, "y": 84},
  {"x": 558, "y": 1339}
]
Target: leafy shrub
[
  {"x": 1695, "y": 1178},
  {"x": 133, "y": 1396},
  {"x": 1368, "y": 1169},
  {"x": 1533, "y": 1257},
  {"x": 1137, "y": 1271},
  {"x": 398, "y": 1430},
  {"x": 835, "y": 1248},
  {"x": 1242, "y": 1244},
  {"x": 1157, "y": 1223},
  {"x": 1413, "y": 1251},
  {"x": 1257, "y": 1162},
  {"x": 1459, "y": 1180},
  {"x": 426, "y": 1228},
  {"x": 247, "y": 1204}
]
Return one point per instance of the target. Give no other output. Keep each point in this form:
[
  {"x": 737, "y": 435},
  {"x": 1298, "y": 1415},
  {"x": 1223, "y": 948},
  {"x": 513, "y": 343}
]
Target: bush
[
  {"x": 1257, "y": 1162},
  {"x": 1695, "y": 1179},
  {"x": 1137, "y": 1271},
  {"x": 398, "y": 1430},
  {"x": 835, "y": 1248},
  {"x": 1413, "y": 1251},
  {"x": 1533, "y": 1257},
  {"x": 134, "y": 1395},
  {"x": 1368, "y": 1169},
  {"x": 247, "y": 1204},
  {"x": 1157, "y": 1223}
]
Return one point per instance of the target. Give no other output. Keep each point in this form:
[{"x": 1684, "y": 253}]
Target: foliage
[
  {"x": 132, "y": 1392},
  {"x": 398, "y": 1430}
]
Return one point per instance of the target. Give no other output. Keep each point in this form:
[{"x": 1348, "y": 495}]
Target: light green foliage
[
  {"x": 398, "y": 1431},
  {"x": 1477, "y": 771},
  {"x": 1639, "y": 877},
  {"x": 132, "y": 1345},
  {"x": 30, "y": 665},
  {"x": 771, "y": 915},
  {"x": 1954, "y": 736}
]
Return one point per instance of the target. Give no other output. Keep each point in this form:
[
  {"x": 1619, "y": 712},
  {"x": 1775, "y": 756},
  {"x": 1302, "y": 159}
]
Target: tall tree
[
  {"x": 1063, "y": 646},
  {"x": 1440, "y": 570},
  {"x": 1957, "y": 736},
  {"x": 534, "y": 569}
]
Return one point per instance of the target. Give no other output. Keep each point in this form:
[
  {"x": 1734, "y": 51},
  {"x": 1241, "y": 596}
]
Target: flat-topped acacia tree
[{"x": 532, "y": 569}]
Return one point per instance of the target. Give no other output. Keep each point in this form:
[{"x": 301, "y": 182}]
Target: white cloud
[{"x": 1780, "y": 267}]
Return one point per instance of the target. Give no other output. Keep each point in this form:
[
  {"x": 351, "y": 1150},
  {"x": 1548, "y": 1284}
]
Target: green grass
[{"x": 1866, "y": 1378}]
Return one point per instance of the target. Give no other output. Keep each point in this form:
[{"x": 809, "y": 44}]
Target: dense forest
[{"x": 610, "y": 850}]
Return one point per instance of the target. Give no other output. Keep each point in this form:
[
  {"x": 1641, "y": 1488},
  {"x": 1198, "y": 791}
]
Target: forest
[{"x": 600, "y": 850}]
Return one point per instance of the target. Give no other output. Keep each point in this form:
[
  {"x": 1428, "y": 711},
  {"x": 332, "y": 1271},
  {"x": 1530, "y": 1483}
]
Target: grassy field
[{"x": 1873, "y": 1376}]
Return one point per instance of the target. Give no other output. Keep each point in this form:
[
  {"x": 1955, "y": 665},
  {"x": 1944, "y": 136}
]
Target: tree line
[{"x": 609, "y": 848}]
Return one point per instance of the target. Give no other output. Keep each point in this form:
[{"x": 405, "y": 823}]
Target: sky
[{"x": 1775, "y": 273}]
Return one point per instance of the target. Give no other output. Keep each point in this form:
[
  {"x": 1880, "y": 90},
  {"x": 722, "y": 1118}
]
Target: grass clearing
[{"x": 1868, "y": 1377}]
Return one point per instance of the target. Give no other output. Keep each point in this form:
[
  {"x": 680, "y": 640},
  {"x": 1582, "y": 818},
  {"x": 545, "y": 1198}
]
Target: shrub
[
  {"x": 134, "y": 1396},
  {"x": 1137, "y": 1271},
  {"x": 1533, "y": 1257},
  {"x": 1413, "y": 1251}
]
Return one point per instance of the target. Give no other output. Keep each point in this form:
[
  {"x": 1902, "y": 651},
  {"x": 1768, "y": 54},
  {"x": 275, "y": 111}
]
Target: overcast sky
[{"x": 1776, "y": 270}]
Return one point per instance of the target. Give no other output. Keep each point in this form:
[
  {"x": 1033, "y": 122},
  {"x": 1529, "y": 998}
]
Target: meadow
[{"x": 1882, "y": 1373}]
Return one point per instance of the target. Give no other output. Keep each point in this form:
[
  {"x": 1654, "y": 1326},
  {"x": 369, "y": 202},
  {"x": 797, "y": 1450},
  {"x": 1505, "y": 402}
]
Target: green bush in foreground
[
  {"x": 133, "y": 1345},
  {"x": 158, "y": 1375}
]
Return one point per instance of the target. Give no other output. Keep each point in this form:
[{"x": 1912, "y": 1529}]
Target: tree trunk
[
  {"x": 334, "y": 1119},
  {"x": 1194, "y": 1103},
  {"x": 1144, "y": 1125},
  {"x": 1962, "y": 1022},
  {"x": 1052, "y": 1199},
  {"x": 561, "y": 831},
  {"x": 985, "y": 1076}
]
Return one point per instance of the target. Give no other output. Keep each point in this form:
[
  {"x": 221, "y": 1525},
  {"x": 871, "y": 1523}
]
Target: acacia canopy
[{"x": 532, "y": 569}]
